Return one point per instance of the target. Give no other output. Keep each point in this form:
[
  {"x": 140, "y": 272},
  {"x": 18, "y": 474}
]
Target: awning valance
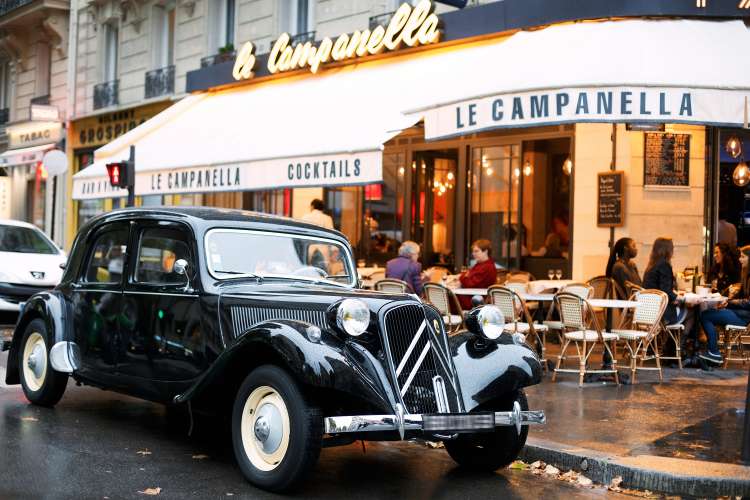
[
  {"x": 329, "y": 128},
  {"x": 23, "y": 156}
]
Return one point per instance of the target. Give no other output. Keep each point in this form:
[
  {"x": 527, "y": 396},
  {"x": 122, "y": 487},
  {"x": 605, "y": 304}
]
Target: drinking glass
[
  {"x": 551, "y": 273},
  {"x": 558, "y": 273}
]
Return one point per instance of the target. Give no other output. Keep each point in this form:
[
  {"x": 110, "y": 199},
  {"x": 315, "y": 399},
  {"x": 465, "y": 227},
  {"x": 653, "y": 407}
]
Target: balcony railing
[
  {"x": 218, "y": 58},
  {"x": 381, "y": 19},
  {"x": 160, "y": 82},
  {"x": 4, "y": 116},
  {"x": 302, "y": 38},
  {"x": 106, "y": 94},
  {"x": 9, "y": 5},
  {"x": 42, "y": 99}
]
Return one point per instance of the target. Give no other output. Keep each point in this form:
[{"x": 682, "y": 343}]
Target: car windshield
[
  {"x": 233, "y": 253},
  {"x": 24, "y": 240}
]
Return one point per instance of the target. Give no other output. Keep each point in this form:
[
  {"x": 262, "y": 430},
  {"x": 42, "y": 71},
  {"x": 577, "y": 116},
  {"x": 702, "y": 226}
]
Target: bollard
[{"x": 746, "y": 430}]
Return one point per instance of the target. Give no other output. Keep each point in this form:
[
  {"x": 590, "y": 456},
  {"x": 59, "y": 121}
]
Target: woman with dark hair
[
  {"x": 732, "y": 312},
  {"x": 482, "y": 275},
  {"x": 725, "y": 271},
  {"x": 621, "y": 267},
  {"x": 659, "y": 275}
]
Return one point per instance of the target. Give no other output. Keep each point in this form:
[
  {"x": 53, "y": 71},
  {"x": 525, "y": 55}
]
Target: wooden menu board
[
  {"x": 610, "y": 210},
  {"x": 666, "y": 160}
]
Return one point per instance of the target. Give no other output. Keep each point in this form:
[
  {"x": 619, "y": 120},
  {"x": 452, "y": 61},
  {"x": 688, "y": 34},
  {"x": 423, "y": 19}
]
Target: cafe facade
[{"x": 550, "y": 132}]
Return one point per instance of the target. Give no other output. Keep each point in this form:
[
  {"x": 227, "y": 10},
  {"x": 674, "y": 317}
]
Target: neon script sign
[{"x": 409, "y": 26}]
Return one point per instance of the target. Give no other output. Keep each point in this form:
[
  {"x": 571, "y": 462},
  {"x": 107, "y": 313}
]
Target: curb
[{"x": 666, "y": 475}]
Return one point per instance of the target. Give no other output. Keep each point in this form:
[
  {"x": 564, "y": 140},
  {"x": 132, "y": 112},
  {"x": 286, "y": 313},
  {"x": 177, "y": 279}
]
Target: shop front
[
  {"x": 84, "y": 137},
  {"x": 499, "y": 136},
  {"x": 23, "y": 175}
]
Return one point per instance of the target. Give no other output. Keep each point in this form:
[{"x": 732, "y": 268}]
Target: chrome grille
[
  {"x": 415, "y": 361},
  {"x": 244, "y": 317}
]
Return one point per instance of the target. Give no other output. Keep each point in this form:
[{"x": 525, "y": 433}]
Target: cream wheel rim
[
  {"x": 265, "y": 428},
  {"x": 35, "y": 361}
]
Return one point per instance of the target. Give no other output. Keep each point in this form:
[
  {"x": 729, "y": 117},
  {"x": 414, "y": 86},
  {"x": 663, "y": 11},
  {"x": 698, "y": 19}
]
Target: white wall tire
[
  {"x": 42, "y": 385},
  {"x": 276, "y": 434}
]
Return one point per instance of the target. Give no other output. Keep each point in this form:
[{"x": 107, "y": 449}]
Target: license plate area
[{"x": 459, "y": 422}]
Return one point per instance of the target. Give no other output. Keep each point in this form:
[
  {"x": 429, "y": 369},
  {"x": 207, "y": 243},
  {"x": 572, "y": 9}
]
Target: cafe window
[
  {"x": 344, "y": 205},
  {"x": 276, "y": 202},
  {"x": 87, "y": 209},
  {"x": 152, "y": 200},
  {"x": 493, "y": 182}
]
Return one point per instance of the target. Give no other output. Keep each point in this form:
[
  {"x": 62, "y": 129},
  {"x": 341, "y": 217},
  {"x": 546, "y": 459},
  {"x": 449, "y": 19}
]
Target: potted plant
[{"x": 226, "y": 53}]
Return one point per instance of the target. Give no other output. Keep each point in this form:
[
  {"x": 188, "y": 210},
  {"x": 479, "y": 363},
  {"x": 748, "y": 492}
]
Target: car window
[
  {"x": 24, "y": 240},
  {"x": 108, "y": 257},
  {"x": 158, "y": 250}
]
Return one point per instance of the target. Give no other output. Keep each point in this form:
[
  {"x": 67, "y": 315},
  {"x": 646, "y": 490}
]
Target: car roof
[
  {"x": 19, "y": 223},
  {"x": 202, "y": 215}
]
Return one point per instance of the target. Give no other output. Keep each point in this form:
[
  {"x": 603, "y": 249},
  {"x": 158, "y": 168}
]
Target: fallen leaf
[
  {"x": 435, "y": 444},
  {"x": 537, "y": 465},
  {"x": 571, "y": 476},
  {"x": 584, "y": 481},
  {"x": 30, "y": 419},
  {"x": 551, "y": 470},
  {"x": 199, "y": 457},
  {"x": 143, "y": 452},
  {"x": 518, "y": 465},
  {"x": 151, "y": 491},
  {"x": 614, "y": 485}
]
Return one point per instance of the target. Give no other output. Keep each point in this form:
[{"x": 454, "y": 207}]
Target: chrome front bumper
[{"x": 434, "y": 423}]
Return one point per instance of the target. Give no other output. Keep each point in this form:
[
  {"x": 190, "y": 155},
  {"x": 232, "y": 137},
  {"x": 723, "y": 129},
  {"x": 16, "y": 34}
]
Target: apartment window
[
  {"x": 164, "y": 20},
  {"x": 111, "y": 46},
  {"x": 297, "y": 16},
  {"x": 222, "y": 21}
]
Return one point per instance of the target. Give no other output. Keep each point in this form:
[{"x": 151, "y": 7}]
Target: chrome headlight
[
  {"x": 486, "y": 321},
  {"x": 353, "y": 316}
]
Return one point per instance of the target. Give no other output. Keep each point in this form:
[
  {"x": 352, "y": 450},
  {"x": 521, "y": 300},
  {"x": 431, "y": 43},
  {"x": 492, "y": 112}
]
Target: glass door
[{"x": 433, "y": 205}]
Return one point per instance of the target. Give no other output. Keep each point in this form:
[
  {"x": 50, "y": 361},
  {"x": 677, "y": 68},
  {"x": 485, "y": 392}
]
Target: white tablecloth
[
  {"x": 539, "y": 286},
  {"x": 613, "y": 304}
]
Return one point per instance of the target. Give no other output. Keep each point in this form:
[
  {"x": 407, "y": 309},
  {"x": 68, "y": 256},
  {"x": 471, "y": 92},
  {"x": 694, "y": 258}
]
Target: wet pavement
[{"x": 97, "y": 444}]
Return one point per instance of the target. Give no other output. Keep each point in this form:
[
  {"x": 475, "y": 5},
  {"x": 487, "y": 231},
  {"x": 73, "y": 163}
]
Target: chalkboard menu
[
  {"x": 666, "y": 160},
  {"x": 611, "y": 199}
]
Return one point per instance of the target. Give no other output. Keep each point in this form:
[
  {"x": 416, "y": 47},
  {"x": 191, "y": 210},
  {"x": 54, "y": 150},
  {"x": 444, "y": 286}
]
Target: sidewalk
[{"x": 681, "y": 436}]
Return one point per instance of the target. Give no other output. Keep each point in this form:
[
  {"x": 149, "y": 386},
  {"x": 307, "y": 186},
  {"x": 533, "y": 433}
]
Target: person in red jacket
[{"x": 482, "y": 275}]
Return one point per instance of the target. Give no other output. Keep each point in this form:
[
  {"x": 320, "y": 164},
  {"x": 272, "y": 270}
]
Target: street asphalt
[{"x": 97, "y": 444}]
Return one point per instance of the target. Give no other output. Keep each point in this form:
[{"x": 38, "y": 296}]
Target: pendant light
[
  {"x": 567, "y": 167},
  {"x": 741, "y": 174},
  {"x": 733, "y": 146}
]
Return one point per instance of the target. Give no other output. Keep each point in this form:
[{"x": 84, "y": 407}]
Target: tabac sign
[{"x": 409, "y": 26}]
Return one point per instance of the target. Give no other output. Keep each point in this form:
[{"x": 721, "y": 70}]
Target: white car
[{"x": 29, "y": 263}]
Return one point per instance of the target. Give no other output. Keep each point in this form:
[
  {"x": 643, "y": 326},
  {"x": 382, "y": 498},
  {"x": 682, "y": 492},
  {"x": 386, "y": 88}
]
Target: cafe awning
[
  {"x": 330, "y": 128},
  {"x": 24, "y": 156}
]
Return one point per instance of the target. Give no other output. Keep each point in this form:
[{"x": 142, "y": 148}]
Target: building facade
[
  {"x": 33, "y": 107},
  {"x": 509, "y": 126}
]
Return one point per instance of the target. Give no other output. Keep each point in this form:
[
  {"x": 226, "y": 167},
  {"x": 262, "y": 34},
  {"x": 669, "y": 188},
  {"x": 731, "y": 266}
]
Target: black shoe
[{"x": 711, "y": 357}]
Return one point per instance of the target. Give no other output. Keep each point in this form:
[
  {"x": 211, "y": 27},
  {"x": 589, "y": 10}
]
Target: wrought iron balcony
[
  {"x": 380, "y": 20},
  {"x": 9, "y": 5},
  {"x": 302, "y": 38},
  {"x": 160, "y": 82},
  {"x": 106, "y": 94},
  {"x": 218, "y": 58},
  {"x": 4, "y": 116}
]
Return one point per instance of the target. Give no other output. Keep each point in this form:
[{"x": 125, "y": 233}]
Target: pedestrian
[
  {"x": 731, "y": 312},
  {"x": 317, "y": 214},
  {"x": 621, "y": 267},
  {"x": 406, "y": 267}
]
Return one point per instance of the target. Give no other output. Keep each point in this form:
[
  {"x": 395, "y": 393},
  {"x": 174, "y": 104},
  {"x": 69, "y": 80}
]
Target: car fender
[
  {"x": 50, "y": 308},
  {"x": 326, "y": 362},
  {"x": 489, "y": 370}
]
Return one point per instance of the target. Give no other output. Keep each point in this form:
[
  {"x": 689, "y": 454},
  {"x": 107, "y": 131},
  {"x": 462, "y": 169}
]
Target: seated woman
[
  {"x": 551, "y": 247},
  {"x": 406, "y": 266},
  {"x": 482, "y": 275},
  {"x": 725, "y": 271},
  {"x": 732, "y": 312},
  {"x": 621, "y": 267}
]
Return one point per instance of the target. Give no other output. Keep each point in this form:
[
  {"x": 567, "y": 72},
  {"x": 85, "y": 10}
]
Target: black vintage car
[{"x": 261, "y": 317}]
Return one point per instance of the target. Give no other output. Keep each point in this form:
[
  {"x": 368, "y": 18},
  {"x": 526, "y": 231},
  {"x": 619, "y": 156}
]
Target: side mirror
[{"x": 180, "y": 267}]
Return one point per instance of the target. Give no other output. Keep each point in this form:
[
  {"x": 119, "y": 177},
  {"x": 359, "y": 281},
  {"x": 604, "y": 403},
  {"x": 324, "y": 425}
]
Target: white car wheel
[
  {"x": 35, "y": 361},
  {"x": 265, "y": 428}
]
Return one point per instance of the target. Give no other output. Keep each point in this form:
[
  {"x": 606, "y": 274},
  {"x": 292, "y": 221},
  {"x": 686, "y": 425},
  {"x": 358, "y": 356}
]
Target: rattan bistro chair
[
  {"x": 582, "y": 290},
  {"x": 517, "y": 317},
  {"x": 392, "y": 285},
  {"x": 446, "y": 302},
  {"x": 643, "y": 331},
  {"x": 736, "y": 337},
  {"x": 575, "y": 312}
]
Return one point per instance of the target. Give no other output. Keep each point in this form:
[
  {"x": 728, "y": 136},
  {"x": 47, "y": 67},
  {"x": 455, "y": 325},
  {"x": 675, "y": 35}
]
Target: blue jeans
[{"x": 712, "y": 318}]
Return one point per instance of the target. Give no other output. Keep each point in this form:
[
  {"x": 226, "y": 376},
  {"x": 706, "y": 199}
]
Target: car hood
[{"x": 18, "y": 267}]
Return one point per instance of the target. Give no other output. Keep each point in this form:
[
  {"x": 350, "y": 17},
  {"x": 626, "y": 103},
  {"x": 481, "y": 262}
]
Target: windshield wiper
[{"x": 237, "y": 274}]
